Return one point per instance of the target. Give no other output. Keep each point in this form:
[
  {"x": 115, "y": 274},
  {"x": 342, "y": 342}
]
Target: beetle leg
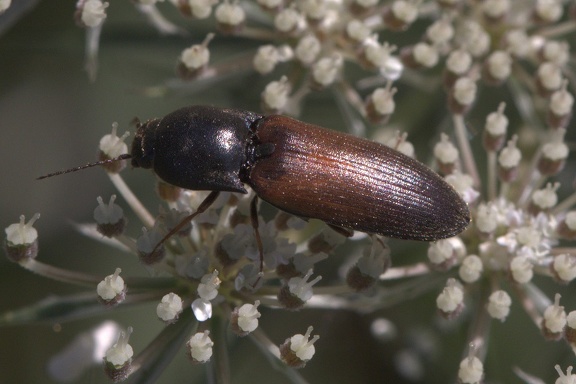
[{"x": 204, "y": 205}]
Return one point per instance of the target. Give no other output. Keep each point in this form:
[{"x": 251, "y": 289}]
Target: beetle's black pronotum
[{"x": 303, "y": 169}]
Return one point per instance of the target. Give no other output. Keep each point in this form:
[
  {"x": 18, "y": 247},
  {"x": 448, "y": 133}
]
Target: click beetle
[{"x": 303, "y": 169}]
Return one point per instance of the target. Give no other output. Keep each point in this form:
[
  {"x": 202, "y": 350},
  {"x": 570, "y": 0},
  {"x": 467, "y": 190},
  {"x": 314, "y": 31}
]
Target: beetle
[
  {"x": 303, "y": 169},
  {"x": 348, "y": 182}
]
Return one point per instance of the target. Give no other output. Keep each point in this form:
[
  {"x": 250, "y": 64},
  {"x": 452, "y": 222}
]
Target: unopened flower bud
[
  {"x": 21, "y": 242},
  {"x": 200, "y": 347},
  {"x": 570, "y": 329},
  {"x": 497, "y": 68},
  {"x": 554, "y": 320},
  {"x": 521, "y": 270},
  {"x": 446, "y": 155},
  {"x": 509, "y": 160},
  {"x": 516, "y": 42},
  {"x": 440, "y": 32},
  {"x": 499, "y": 305},
  {"x": 149, "y": 247},
  {"x": 495, "y": 129},
  {"x": 325, "y": 71},
  {"x": 544, "y": 199},
  {"x": 554, "y": 51},
  {"x": 111, "y": 146},
  {"x": 265, "y": 59},
  {"x": 194, "y": 60},
  {"x": 471, "y": 269},
  {"x": 495, "y": 10},
  {"x": 471, "y": 369},
  {"x": 568, "y": 378},
  {"x": 325, "y": 241},
  {"x": 441, "y": 255},
  {"x": 549, "y": 78},
  {"x": 169, "y": 308},
  {"x": 567, "y": 226},
  {"x": 199, "y": 9},
  {"x": 118, "y": 358},
  {"x": 450, "y": 302},
  {"x": 420, "y": 55},
  {"x": 299, "y": 349},
  {"x": 400, "y": 14},
  {"x": 373, "y": 55},
  {"x": 462, "y": 95},
  {"x": 399, "y": 143},
  {"x": 245, "y": 318},
  {"x": 307, "y": 49},
  {"x": 288, "y": 20},
  {"x": 486, "y": 219},
  {"x": 458, "y": 64},
  {"x": 112, "y": 290},
  {"x": 560, "y": 108},
  {"x": 230, "y": 17},
  {"x": 564, "y": 268},
  {"x": 270, "y": 5},
  {"x": 91, "y": 13},
  {"x": 297, "y": 291},
  {"x": 380, "y": 104},
  {"x": 276, "y": 95},
  {"x": 547, "y": 11},
  {"x": 209, "y": 284},
  {"x": 373, "y": 263},
  {"x": 110, "y": 220},
  {"x": 357, "y": 31}
]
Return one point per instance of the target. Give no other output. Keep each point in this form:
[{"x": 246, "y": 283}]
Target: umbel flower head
[{"x": 505, "y": 70}]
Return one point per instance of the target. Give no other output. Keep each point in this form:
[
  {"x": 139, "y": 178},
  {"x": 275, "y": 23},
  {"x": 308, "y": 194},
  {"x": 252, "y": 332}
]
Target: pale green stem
[
  {"x": 407, "y": 271},
  {"x": 132, "y": 200},
  {"x": 492, "y": 175},
  {"x": 565, "y": 204},
  {"x": 59, "y": 274},
  {"x": 465, "y": 150},
  {"x": 557, "y": 30}
]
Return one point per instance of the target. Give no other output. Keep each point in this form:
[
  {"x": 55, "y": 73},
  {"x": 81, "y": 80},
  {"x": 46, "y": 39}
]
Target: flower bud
[
  {"x": 554, "y": 320},
  {"x": 111, "y": 146},
  {"x": 118, "y": 359},
  {"x": 380, "y": 104},
  {"x": 373, "y": 263},
  {"x": 200, "y": 347},
  {"x": 230, "y": 17},
  {"x": 499, "y": 305},
  {"x": 169, "y": 308},
  {"x": 245, "y": 319},
  {"x": 450, "y": 302},
  {"x": 194, "y": 60},
  {"x": 495, "y": 129},
  {"x": 21, "y": 242},
  {"x": 446, "y": 155},
  {"x": 110, "y": 220},
  {"x": 298, "y": 350},
  {"x": 297, "y": 291},
  {"x": 471, "y": 369},
  {"x": 400, "y": 14},
  {"x": 509, "y": 160},
  {"x": 567, "y": 226}
]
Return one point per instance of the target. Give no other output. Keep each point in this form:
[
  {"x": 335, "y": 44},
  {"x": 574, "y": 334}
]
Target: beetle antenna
[
  {"x": 204, "y": 205},
  {"x": 89, "y": 165}
]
